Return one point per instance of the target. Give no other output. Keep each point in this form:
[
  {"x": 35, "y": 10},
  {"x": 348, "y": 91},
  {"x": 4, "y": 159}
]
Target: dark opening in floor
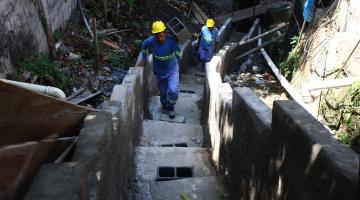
[
  {"x": 184, "y": 172},
  {"x": 181, "y": 145},
  {"x": 166, "y": 172}
]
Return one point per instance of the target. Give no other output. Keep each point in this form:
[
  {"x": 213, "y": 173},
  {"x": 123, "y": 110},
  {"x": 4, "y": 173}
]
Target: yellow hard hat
[
  {"x": 210, "y": 23},
  {"x": 158, "y": 27}
]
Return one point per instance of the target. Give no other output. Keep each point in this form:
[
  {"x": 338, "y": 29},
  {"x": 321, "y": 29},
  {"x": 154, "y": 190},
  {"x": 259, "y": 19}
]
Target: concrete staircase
[{"x": 171, "y": 162}]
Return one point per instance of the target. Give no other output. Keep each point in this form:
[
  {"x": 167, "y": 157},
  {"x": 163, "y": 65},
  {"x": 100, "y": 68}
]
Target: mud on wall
[{"x": 21, "y": 31}]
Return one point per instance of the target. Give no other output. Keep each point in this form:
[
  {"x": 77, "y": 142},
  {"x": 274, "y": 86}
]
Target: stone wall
[
  {"x": 280, "y": 154},
  {"x": 21, "y": 31}
]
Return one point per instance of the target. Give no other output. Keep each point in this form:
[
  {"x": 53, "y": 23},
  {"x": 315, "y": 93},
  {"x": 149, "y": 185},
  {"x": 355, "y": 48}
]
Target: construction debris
[
  {"x": 111, "y": 44},
  {"x": 84, "y": 18},
  {"x": 244, "y": 14},
  {"x": 178, "y": 28}
]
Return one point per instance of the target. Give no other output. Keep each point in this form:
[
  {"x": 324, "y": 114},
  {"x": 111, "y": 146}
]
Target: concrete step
[
  {"x": 149, "y": 159},
  {"x": 192, "y": 88},
  {"x": 188, "y": 105},
  {"x": 157, "y": 133},
  {"x": 200, "y": 188},
  {"x": 195, "y": 70}
]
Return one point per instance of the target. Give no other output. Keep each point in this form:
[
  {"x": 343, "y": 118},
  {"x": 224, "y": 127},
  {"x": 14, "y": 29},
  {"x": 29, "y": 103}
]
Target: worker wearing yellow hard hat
[
  {"x": 207, "y": 41},
  {"x": 166, "y": 56}
]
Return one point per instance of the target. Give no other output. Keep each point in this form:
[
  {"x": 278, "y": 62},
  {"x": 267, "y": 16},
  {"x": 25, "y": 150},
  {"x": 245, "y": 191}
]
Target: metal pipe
[
  {"x": 262, "y": 35},
  {"x": 284, "y": 83},
  {"x": 47, "y": 90},
  {"x": 257, "y": 48}
]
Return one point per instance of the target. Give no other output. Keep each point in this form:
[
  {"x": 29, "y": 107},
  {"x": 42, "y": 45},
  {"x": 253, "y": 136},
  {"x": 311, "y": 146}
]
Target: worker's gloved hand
[{"x": 196, "y": 35}]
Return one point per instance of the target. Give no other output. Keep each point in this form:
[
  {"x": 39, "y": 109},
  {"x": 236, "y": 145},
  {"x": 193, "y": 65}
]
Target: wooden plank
[
  {"x": 198, "y": 10},
  {"x": 198, "y": 17},
  {"x": 29, "y": 116},
  {"x": 335, "y": 83},
  {"x": 19, "y": 163},
  {"x": 244, "y": 14}
]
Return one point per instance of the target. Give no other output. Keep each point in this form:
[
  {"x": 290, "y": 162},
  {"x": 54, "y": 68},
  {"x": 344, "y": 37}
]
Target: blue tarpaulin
[{"x": 309, "y": 8}]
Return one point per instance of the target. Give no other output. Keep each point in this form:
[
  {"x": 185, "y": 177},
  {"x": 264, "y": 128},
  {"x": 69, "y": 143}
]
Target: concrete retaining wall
[
  {"x": 279, "y": 154},
  {"x": 103, "y": 160},
  {"x": 21, "y": 31},
  {"x": 106, "y": 146}
]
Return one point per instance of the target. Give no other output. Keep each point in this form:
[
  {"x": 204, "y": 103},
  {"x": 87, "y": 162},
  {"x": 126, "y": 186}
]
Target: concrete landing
[
  {"x": 196, "y": 79},
  {"x": 187, "y": 105},
  {"x": 148, "y": 159},
  {"x": 157, "y": 133},
  {"x": 202, "y": 188}
]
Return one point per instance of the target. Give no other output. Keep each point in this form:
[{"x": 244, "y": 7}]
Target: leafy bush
[
  {"x": 292, "y": 63},
  {"x": 120, "y": 60},
  {"x": 44, "y": 68},
  {"x": 342, "y": 114}
]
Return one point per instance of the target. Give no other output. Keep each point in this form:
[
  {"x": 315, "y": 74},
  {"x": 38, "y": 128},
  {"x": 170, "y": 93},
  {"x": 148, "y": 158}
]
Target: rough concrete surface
[
  {"x": 94, "y": 136},
  {"x": 148, "y": 159},
  {"x": 200, "y": 188},
  {"x": 63, "y": 181},
  {"x": 157, "y": 133},
  {"x": 251, "y": 167},
  {"x": 314, "y": 165},
  {"x": 187, "y": 105}
]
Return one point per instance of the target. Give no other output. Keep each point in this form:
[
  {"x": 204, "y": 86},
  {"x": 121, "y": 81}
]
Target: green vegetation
[
  {"x": 120, "y": 60},
  {"x": 47, "y": 71},
  {"x": 343, "y": 114},
  {"x": 292, "y": 63}
]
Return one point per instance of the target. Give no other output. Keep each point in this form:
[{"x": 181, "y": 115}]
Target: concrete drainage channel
[
  {"x": 171, "y": 154},
  {"x": 260, "y": 154}
]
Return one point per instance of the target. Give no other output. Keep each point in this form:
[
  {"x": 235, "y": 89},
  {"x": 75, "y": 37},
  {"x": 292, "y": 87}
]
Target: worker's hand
[
  {"x": 142, "y": 63},
  {"x": 196, "y": 35}
]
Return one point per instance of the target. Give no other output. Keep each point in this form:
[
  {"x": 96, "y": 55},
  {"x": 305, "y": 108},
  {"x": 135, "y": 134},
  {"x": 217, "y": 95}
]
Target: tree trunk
[{"x": 44, "y": 18}]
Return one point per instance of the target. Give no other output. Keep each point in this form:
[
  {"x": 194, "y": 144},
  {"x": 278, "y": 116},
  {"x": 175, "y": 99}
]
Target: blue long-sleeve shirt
[
  {"x": 208, "y": 38},
  {"x": 166, "y": 55}
]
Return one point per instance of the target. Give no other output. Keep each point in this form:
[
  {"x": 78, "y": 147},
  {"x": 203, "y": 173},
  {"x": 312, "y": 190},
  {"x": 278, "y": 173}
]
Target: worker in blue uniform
[
  {"x": 207, "y": 42},
  {"x": 166, "y": 56}
]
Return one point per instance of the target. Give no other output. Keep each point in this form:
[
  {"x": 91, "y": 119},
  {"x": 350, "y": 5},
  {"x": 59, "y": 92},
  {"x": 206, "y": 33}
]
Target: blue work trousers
[
  {"x": 169, "y": 88},
  {"x": 206, "y": 54}
]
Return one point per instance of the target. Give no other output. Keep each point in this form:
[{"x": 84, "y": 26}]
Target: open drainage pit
[
  {"x": 188, "y": 91},
  {"x": 175, "y": 145},
  {"x": 173, "y": 173}
]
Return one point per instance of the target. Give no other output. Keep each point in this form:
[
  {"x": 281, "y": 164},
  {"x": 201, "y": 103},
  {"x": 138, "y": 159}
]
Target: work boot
[
  {"x": 171, "y": 114},
  {"x": 164, "y": 111}
]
